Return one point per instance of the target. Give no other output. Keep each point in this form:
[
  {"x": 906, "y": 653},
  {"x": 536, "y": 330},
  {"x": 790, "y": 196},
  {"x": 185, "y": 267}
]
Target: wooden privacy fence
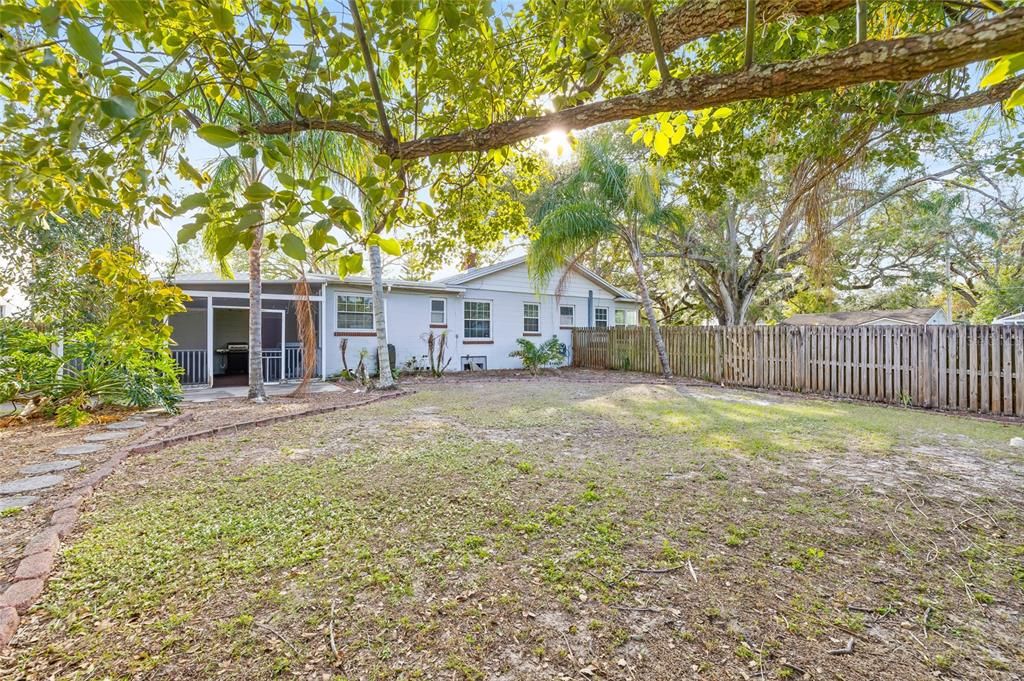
[{"x": 967, "y": 368}]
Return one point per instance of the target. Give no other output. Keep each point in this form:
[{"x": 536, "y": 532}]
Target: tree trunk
[
  {"x": 645, "y": 295},
  {"x": 384, "y": 379},
  {"x": 257, "y": 393}
]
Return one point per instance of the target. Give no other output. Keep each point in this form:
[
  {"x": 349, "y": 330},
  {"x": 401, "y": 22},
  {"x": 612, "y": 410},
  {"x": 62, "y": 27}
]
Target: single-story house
[
  {"x": 483, "y": 310},
  {"x": 1016, "y": 319},
  {"x": 919, "y": 316}
]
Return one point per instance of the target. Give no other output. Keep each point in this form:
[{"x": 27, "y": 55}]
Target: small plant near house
[
  {"x": 437, "y": 345},
  {"x": 536, "y": 357}
]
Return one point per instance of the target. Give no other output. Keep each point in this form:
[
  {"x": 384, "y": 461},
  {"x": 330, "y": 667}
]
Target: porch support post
[
  {"x": 209, "y": 341},
  {"x": 323, "y": 333},
  {"x": 284, "y": 376}
]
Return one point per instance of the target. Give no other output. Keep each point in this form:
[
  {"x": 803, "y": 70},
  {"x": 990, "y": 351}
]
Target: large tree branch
[
  {"x": 901, "y": 59},
  {"x": 974, "y": 100},
  {"x": 701, "y": 18}
]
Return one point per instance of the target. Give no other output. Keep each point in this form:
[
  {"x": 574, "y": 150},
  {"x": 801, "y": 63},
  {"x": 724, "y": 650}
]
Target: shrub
[
  {"x": 535, "y": 357},
  {"x": 124, "y": 359}
]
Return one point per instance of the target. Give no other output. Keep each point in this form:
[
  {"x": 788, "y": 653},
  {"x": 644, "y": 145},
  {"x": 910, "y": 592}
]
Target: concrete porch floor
[{"x": 277, "y": 389}]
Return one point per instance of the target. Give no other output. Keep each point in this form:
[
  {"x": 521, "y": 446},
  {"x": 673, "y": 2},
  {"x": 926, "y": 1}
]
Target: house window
[
  {"x": 620, "y": 318},
  {"x": 567, "y": 316},
  {"x": 355, "y": 313},
  {"x": 531, "y": 318},
  {"x": 438, "y": 312},
  {"x": 601, "y": 317},
  {"x": 477, "y": 316}
]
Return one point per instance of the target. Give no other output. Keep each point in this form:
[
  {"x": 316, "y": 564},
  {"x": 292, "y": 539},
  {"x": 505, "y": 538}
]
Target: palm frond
[{"x": 564, "y": 233}]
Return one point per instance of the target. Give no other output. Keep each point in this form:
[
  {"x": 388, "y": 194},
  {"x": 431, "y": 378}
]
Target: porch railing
[
  {"x": 277, "y": 365},
  {"x": 193, "y": 366},
  {"x": 295, "y": 362}
]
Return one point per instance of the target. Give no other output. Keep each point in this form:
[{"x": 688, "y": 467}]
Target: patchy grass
[{"x": 539, "y": 529}]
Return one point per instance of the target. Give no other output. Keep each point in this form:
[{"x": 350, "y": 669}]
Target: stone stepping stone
[
  {"x": 7, "y": 503},
  {"x": 126, "y": 425},
  {"x": 49, "y": 467},
  {"x": 29, "y": 484},
  {"x": 76, "y": 450},
  {"x": 106, "y": 437}
]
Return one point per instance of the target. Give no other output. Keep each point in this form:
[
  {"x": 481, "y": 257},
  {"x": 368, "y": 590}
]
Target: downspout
[{"x": 590, "y": 308}]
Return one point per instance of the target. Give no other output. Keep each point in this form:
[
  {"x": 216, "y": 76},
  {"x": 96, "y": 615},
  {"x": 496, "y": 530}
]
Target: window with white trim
[
  {"x": 567, "y": 315},
  {"x": 355, "y": 313},
  {"x": 620, "y": 318},
  {"x": 438, "y": 311},
  {"x": 531, "y": 318},
  {"x": 477, "y": 317},
  {"x": 601, "y": 317}
]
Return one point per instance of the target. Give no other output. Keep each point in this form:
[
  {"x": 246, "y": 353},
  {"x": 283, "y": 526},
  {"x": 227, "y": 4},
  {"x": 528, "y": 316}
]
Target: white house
[{"x": 483, "y": 311}]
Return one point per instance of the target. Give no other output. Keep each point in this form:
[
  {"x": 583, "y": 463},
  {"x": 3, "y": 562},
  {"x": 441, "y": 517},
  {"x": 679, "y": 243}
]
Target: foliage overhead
[{"x": 100, "y": 98}]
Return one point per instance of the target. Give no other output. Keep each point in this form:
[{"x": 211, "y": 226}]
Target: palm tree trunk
[
  {"x": 645, "y": 296},
  {"x": 384, "y": 379},
  {"x": 257, "y": 393}
]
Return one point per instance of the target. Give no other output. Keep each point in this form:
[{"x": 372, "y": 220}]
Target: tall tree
[{"x": 605, "y": 196}]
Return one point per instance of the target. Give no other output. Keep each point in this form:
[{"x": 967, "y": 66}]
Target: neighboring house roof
[
  {"x": 919, "y": 315},
  {"x": 445, "y": 285},
  {"x": 480, "y": 272},
  {"x": 1016, "y": 318}
]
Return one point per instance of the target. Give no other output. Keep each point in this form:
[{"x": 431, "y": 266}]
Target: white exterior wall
[{"x": 408, "y": 318}]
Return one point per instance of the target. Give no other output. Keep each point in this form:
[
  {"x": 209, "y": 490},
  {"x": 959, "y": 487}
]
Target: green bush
[
  {"x": 535, "y": 357},
  {"x": 123, "y": 360}
]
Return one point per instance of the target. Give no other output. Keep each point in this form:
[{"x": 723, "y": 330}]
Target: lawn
[{"x": 553, "y": 529}]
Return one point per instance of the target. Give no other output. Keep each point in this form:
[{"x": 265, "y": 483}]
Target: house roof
[
  {"x": 1015, "y": 317},
  {"x": 480, "y": 272},
  {"x": 445, "y": 285},
  {"x": 919, "y": 315}
]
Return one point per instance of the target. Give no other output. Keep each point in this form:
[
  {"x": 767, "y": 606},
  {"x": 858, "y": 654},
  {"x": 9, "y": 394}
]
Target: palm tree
[
  {"x": 603, "y": 197},
  {"x": 311, "y": 153}
]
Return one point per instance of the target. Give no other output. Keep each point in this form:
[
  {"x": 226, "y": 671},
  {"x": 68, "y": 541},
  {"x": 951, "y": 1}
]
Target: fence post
[{"x": 719, "y": 355}]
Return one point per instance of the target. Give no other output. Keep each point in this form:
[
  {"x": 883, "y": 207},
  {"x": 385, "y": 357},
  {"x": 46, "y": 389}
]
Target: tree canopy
[{"x": 101, "y": 97}]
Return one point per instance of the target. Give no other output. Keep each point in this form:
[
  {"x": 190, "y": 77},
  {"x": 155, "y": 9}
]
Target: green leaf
[
  {"x": 661, "y": 144},
  {"x": 219, "y": 136},
  {"x": 223, "y": 19},
  {"x": 998, "y": 73},
  {"x": 130, "y": 11},
  {"x": 197, "y": 200},
  {"x": 84, "y": 43},
  {"x": 723, "y": 112},
  {"x": 389, "y": 245},
  {"x": 317, "y": 239},
  {"x": 1016, "y": 99},
  {"x": 188, "y": 232},
  {"x": 293, "y": 247},
  {"x": 257, "y": 191},
  {"x": 322, "y": 192},
  {"x": 428, "y": 23},
  {"x": 119, "y": 106}
]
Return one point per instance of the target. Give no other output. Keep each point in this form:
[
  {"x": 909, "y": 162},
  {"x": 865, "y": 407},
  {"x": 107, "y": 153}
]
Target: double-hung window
[
  {"x": 531, "y": 318},
  {"x": 567, "y": 316},
  {"x": 477, "y": 317},
  {"x": 620, "y": 318},
  {"x": 355, "y": 313},
  {"x": 601, "y": 317},
  {"x": 438, "y": 312}
]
